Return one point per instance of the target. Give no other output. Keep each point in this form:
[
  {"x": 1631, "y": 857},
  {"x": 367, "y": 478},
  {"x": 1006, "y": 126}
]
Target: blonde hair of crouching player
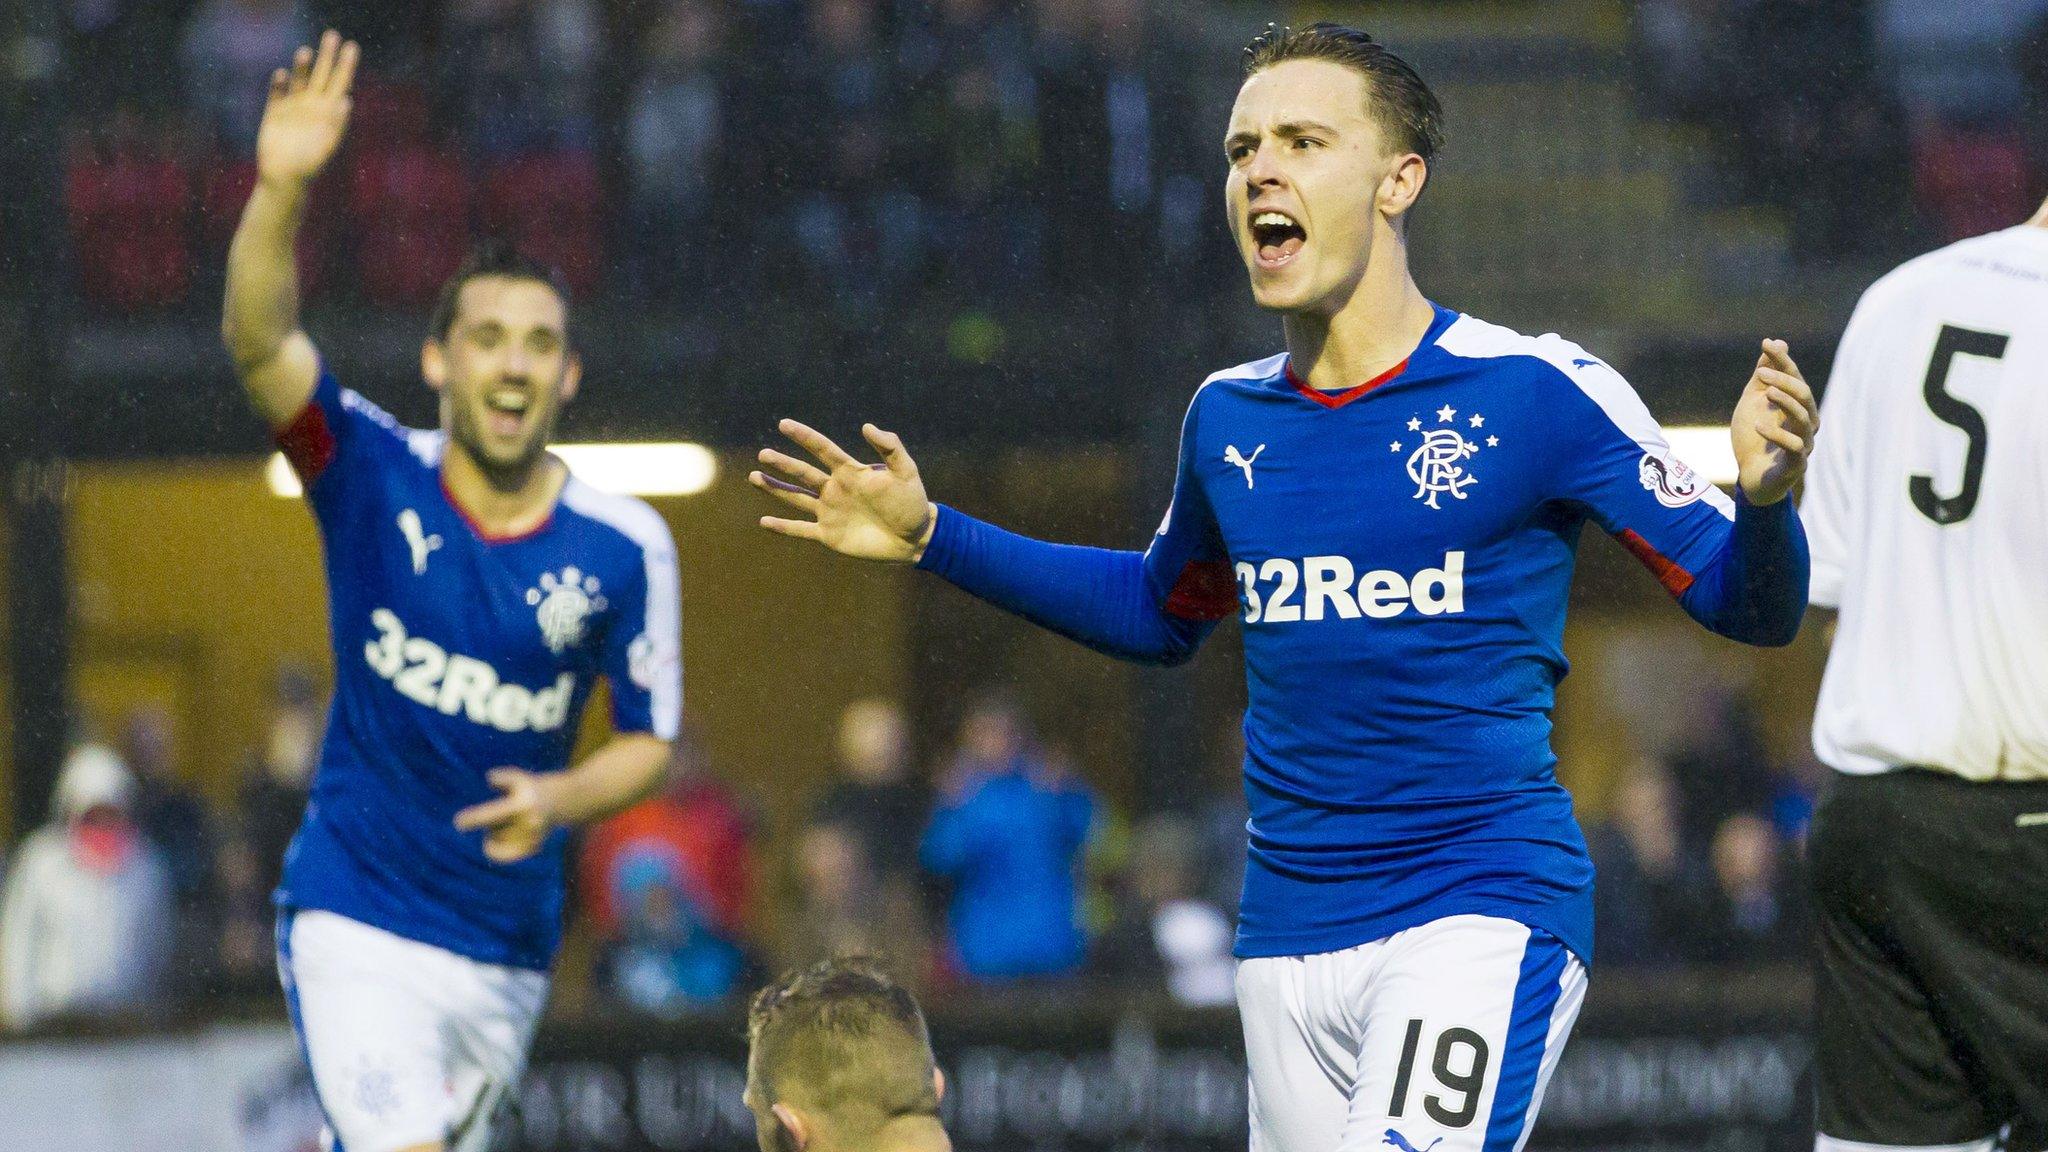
[{"x": 839, "y": 1060}]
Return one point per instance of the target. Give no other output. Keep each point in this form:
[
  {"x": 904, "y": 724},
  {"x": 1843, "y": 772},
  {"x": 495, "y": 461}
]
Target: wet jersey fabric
[
  {"x": 1400, "y": 557},
  {"x": 455, "y": 653}
]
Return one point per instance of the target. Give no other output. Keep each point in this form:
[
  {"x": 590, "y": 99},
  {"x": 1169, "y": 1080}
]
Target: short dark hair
[
  {"x": 842, "y": 1034},
  {"x": 492, "y": 256},
  {"x": 1406, "y": 110}
]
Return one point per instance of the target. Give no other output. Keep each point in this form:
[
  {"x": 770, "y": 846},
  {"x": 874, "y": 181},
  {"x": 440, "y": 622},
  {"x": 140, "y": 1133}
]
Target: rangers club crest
[
  {"x": 563, "y": 603},
  {"x": 1437, "y": 463}
]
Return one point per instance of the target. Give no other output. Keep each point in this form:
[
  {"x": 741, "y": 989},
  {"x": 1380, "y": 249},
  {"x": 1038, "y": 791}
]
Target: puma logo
[
  {"x": 1401, "y": 1142},
  {"x": 417, "y": 539},
  {"x": 1238, "y": 459}
]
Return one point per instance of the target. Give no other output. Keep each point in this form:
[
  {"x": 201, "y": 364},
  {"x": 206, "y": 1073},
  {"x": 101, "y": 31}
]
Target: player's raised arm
[
  {"x": 1755, "y": 589},
  {"x": 1152, "y": 607},
  {"x": 302, "y": 126},
  {"x": 1739, "y": 566}
]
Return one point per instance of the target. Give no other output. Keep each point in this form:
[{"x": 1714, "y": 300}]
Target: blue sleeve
[
  {"x": 1152, "y": 607},
  {"x": 1754, "y": 589},
  {"x": 1739, "y": 570}
]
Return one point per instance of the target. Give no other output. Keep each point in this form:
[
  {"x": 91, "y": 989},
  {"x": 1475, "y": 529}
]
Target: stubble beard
[{"x": 501, "y": 474}]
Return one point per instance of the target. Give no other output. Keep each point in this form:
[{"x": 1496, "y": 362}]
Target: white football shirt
[{"x": 1927, "y": 511}]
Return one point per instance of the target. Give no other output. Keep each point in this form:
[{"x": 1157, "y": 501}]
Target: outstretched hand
[
  {"x": 871, "y": 511},
  {"x": 307, "y": 111},
  {"x": 1773, "y": 428}
]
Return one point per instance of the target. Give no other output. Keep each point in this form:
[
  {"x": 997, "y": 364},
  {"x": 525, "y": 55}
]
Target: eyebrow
[
  {"x": 493, "y": 324},
  {"x": 1287, "y": 131}
]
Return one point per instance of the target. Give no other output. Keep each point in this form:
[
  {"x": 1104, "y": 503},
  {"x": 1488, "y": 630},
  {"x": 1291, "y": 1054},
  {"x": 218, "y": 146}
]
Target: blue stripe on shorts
[{"x": 1536, "y": 992}]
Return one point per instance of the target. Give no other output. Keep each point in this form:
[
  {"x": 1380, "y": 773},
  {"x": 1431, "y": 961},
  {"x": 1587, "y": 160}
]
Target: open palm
[
  {"x": 870, "y": 511},
  {"x": 307, "y": 111}
]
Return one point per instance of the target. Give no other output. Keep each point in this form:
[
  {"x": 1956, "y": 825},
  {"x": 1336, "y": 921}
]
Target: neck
[
  {"x": 2040, "y": 219},
  {"x": 1375, "y": 329},
  {"x": 902, "y": 1134},
  {"x": 502, "y": 504}
]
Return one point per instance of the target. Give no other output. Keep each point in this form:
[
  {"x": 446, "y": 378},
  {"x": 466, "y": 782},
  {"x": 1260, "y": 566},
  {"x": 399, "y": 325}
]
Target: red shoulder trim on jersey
[
  {"x": 1674, "y": 578},
  {"x": 1205, "y": 590},
  {"x": 485, "y": 534},
  {"x": 1340, "y": 399},
  {"x": 307, "y": 443}
]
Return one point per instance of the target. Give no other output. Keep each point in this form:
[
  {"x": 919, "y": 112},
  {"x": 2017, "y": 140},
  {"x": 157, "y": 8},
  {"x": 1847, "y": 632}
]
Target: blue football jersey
[
  {"x": 456, "y": 652},
  {"x": 1400, "y": 555}
]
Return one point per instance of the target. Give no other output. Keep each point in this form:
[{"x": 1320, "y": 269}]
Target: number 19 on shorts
[{"x": 1457, "y": 1072}]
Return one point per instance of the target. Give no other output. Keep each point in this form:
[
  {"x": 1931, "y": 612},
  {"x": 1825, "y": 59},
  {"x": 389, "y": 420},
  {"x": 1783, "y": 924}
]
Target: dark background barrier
[{"x": 1707, "y": 1061}]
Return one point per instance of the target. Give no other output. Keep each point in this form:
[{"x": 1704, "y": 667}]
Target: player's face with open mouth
[
  {"x": 1305, "y": 161},
  {"x": 505, "y": 371}
]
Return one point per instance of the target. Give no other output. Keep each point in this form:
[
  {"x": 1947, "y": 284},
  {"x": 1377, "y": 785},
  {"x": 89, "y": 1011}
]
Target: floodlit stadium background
[{"x": 993, "y": 226}]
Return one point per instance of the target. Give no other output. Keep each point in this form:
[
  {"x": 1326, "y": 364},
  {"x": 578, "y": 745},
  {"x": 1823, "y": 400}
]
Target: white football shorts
[
  {"x": 409, "y": 1044},
  {"x": 1437, "y": 1039}
]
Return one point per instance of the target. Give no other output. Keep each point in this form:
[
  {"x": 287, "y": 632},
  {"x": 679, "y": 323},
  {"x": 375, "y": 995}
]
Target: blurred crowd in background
[
  {"x": 859, "y": 151},
  {"x": 865, "y": 154},
  {"x": 1854, "y": 115},
  {"x": 996, "y": 865}
]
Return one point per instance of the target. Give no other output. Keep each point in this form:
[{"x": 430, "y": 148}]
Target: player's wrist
[
  {"x": 924, "y": 536},
  {"x": 1762, "y": 495},
  {"x": 550, "y": 800},
  {"x": 289, "y": 189}
]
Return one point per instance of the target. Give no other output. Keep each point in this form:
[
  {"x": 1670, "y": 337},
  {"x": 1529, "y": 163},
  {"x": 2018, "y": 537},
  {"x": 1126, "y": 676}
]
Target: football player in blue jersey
[
  {"x": 476, "y": 593},
  {"x": 1392, "y": 508}
]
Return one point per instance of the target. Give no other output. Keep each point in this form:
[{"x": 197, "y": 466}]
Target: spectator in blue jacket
[{"x": 1009, "y": 833}]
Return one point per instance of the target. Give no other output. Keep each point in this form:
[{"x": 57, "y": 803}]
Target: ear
[
  {"x": 1401, "y": 187},
  {"x": 572, "y": 377},
  {"x": 939, "y": 1082},
  {"x": 794, "y": 1123},
  {"x": 434, "y": 364}
]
